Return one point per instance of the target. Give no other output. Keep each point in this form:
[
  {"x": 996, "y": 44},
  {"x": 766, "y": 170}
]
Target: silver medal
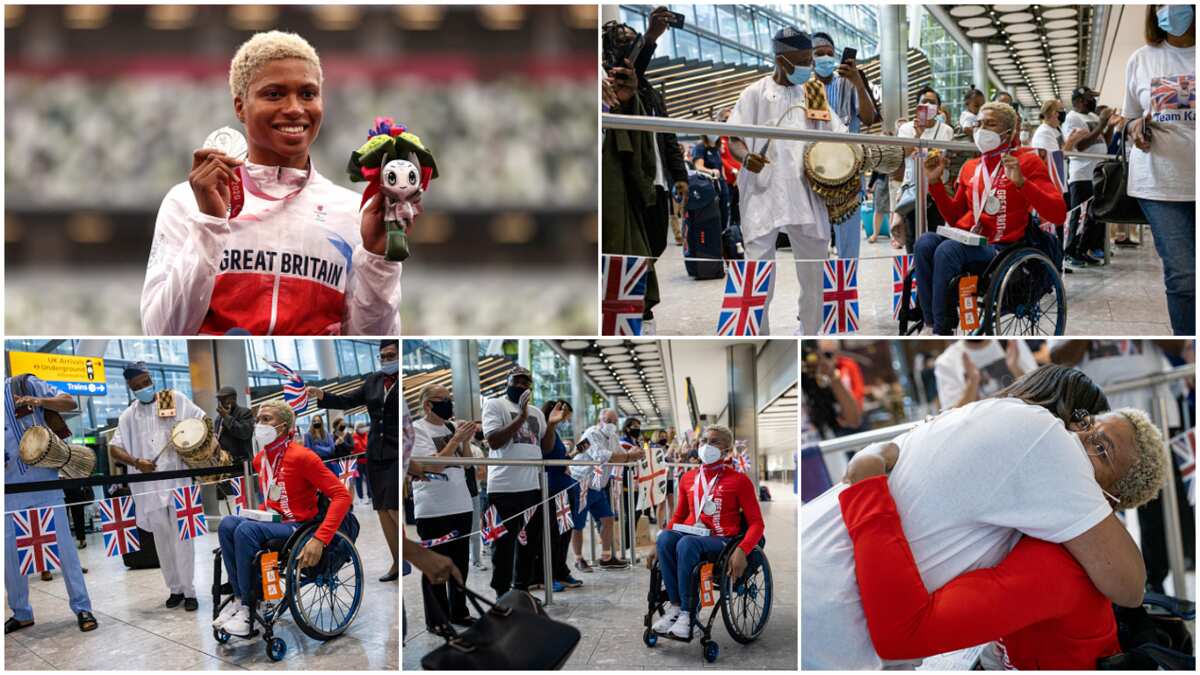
[
  {"x": 229, "y": 141},
  {"x": 275, "y": 492},
  {"x": 709, "y": 507},
  {"x": 991, "y": 205}
]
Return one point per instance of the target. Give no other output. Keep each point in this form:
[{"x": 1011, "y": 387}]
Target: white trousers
[
  {"x": 176, "y": 559},
  {"x": 808, "y": 274}
]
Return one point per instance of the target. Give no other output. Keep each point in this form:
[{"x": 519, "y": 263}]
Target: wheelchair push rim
[
  {"x": 746, "y": 604},
  {"x": 1015, "y": 306},
  {"x": 325, "y": 599}
]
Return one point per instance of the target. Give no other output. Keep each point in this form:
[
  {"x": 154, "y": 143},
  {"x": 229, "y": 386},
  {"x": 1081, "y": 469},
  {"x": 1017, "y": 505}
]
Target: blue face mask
[
  {"x": 390, "y": 367},
  {"x": 941, "y": 118},
  {"x": 800, "y": 74},
  {"x": 145, "y": 395},
  {"x": 825, "y": 65},
  {"x": 1175, "y": 19}
]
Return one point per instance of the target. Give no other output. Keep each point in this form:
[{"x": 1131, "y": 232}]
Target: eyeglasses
[{"x": 1095, "y": 444}]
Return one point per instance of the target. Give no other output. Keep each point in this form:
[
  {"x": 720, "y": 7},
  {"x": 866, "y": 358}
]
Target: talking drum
[
  {"x": 834, "y": 170},
  {"x": 885, "y": 159},
  {"x": 43, "y": 448},
  {"x": 193, "y": 440}
]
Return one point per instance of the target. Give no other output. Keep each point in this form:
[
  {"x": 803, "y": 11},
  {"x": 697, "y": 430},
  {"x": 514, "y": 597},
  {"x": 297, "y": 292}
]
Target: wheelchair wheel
[
  {"x": 276, "y": 649},
  {"x": 711, "y": 650},
  {"x": 746, "y": 605},
  {"x": 1026, "y": 297},
  {"x": 324, "y": 599},
  {"x": 910, "y": 317},
  {"x": 650, "y": 638}
]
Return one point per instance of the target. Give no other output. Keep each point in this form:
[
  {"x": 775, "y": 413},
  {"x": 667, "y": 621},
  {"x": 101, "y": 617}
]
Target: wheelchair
[
  {"x": 744, "y": 604},
  {"x": 1020, "y": 291},
  {"x": 323, "y": 600}
]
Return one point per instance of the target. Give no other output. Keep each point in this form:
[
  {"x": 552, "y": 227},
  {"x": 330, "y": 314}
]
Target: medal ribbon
[{"x": 697, "y": 500}]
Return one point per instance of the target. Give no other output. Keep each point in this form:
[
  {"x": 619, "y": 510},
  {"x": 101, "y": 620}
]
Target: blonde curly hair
[
  {"x": 263, "y": 48},
  {"x": 1149, "y": 471},
  {"x": 1004, "y": 111},
  {"x": 283, "y": 411}
]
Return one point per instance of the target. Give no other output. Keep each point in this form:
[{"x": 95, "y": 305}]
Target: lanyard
[
  {"x": 270, "y": 468},
  {"x": 980, "y": 198},
  {"x": 707, "y": 486}
]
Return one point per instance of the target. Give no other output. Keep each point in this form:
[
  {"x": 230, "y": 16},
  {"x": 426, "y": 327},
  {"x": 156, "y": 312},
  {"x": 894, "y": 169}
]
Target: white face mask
[
  {"x": 264, "y": 434},
  {"x": 610, "y": 428},
  {"x": 987, "y": 140},
  {"x": 708, "y": 453}
]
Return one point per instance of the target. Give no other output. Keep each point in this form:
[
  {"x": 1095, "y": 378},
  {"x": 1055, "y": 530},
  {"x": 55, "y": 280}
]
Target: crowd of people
[
  {"x": 450, "y": 503},
  {"x": 291, "y": 477},
  {"x": 1047, "y": 458},
  {"x": 1015, "y": 185}
]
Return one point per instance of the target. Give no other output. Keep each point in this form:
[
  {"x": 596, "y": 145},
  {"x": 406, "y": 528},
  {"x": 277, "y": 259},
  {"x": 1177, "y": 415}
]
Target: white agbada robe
[
  {"x": 779, "y": 198},
  {"x": 143, "y": 434}
]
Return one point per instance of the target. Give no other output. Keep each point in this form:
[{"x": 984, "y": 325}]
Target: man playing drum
[
  {"x": 143, "y": 431},
  {"x": 774, "y": 193},
  {"x": 25, "y": 400}
]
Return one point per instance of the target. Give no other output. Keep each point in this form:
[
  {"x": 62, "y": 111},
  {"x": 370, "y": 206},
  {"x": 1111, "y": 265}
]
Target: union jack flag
[
  {"x": 347, "y": 469},
  {"x": 1173, "y": 93},
  {"x": 119, "y": 527},
  {"x": 238, "y": 487},
  {"x": 492, "y": 528},
  {"x": 1183, "y": 447},
  {"x": 37, "y": 540},
  {"x": 1056, "y": 165},
  {"x": 617, "y": 476},
  {"x": 747, "y": 285},
  {"x": 624, "y": 294},
  {"x": 438, "y": 541},
  {"x": 562, "y": 512},
  {"x": 522, "y": 538},
  {"x": 294, "y": 392},
  {"x": 189, "y": 512},
  {"x": 840, "y": 307},
  {"x": 741, "y": 462},
  {"x": 901, "y": 265}
]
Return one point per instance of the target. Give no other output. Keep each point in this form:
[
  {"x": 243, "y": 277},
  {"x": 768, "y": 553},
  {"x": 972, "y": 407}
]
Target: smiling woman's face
[{"x": 282, "y": 112}]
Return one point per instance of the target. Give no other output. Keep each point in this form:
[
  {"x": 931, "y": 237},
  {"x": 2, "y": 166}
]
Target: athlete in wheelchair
[
  {"x": 1020, "y": 287},
  {"x": 312, "y": 568},
  {"x": 717, "y": 522}
]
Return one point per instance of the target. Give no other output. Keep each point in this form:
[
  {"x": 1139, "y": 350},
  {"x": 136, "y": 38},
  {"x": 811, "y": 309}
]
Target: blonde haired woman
[{"x": 266, "y": 245}]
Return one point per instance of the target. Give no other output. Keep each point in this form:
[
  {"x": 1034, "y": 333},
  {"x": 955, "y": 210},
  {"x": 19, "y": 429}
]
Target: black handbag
[
  {"x": 513, "y": 634},
  {"x": 1111, "y": 202}
]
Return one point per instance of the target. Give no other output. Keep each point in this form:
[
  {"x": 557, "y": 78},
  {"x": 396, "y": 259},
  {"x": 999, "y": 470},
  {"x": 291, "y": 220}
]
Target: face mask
[
  {"x": 634, "y": 432},
  {"x": 390, "y": 367},
  {"x": 145, "y": 395},
  {"x": 514, "y": 393},
  {"x": 1062, "y": 116},
  {"x": 443, "y": 409},
  {"x": 800, "y": 75},
  {"x": 708, "y": 453},
  {"x": 1175, "y": 19},
  {"x": 1091, "y": 105},
  {"x": 987, "y": 140},
  {"x": 609, "y": 428},
  {"x": 264, "y": 434},
  {"x": 825, "y": 65},
  {"x": 940, "y": 118}
]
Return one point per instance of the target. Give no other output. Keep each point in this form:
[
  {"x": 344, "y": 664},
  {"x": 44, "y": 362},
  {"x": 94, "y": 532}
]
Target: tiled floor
[
  {"x": 608, "y": 610},
  {"x": 137, "y": 633},
  {"x": 1124, "y": 298}
]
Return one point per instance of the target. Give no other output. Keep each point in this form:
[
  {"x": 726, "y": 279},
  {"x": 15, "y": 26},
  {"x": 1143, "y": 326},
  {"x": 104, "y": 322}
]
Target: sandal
[
  {"x": 87, "y": 622},
  {"x": 13, "y": 625}
]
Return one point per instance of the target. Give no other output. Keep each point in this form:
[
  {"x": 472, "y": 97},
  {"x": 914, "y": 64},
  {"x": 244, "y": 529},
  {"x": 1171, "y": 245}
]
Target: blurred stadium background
[{"x": 104, "y": 106}]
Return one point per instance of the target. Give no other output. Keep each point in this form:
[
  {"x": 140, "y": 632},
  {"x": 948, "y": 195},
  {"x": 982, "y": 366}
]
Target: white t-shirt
[
  {"x": 1162, "y": 80},
  {"x": 601, "y": 446},
  {"x": 967, "y": 484},
  {"x": 967, "y": 120},
  {"x": 937, "y": 132},
  {"x": 1110, "y": 361},
  {"x": 1046, "y": 137},
  {"x": 1079, "y": 169},
  {"x": 779, "y": 195},
  {"x": 433, "y": 498},
  {"x": 498, "y": 413},
  {"x": 994, "y": 374}
]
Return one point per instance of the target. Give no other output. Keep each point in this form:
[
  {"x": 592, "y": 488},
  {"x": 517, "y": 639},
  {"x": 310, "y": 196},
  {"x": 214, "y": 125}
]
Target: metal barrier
[
  {"x": 1170, "y": 498},
  {"x": 674, "y": 125},
  {"x": 547, "y": 570}
]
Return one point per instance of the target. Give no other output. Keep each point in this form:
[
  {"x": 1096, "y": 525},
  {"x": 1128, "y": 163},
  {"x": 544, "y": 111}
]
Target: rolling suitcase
[{"x": 702, "y": 226}]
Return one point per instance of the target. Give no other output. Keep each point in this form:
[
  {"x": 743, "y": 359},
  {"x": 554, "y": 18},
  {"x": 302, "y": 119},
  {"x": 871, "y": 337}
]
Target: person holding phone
[
  {"x": 928, "y": 125},
  {"x": 849, "y": 99}
]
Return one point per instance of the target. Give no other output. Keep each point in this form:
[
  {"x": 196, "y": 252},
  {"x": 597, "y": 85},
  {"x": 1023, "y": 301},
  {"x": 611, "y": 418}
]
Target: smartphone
[
  {"x": 925, "y": 113},
  {"x": 674, "y": 19},
  {"x": 849, "y": 54}
]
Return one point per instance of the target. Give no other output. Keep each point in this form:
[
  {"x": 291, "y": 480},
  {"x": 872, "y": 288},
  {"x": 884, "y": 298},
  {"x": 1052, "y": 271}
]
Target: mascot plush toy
[{"x": 395, "y": 162}]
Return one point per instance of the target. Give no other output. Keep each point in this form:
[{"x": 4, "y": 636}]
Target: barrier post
[
  {"x": 631, "y": 503},
  {"x": 919, "y": 215},
  {"x": 1170, "y": 506},
  {"x": 251, "y": 486},
  {"x": 547, "y": 563}
]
